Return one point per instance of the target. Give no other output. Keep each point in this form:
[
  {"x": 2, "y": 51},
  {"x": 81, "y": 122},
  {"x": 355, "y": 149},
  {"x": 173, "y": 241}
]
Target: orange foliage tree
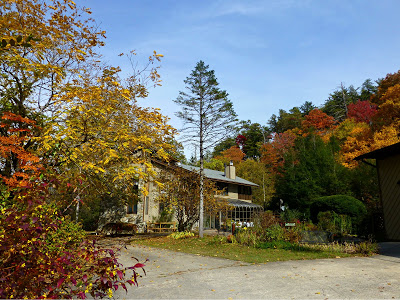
[
  {"x": 19, "y": 164},
  {"x": 384, "y": 129},
  {"x": 234, "y": 154},
  {"x": 317, "y": 122},
  {"x": 273, "y": 153}
]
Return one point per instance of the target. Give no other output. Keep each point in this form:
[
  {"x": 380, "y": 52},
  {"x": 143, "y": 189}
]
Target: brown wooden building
[{"x": 388, "y": 167}]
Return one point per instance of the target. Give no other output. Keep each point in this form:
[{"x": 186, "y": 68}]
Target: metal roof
[
  {"x": 219, "y": 176},
  {"x": 241, "y": 203},
  {"x": 381, "y": 153}
]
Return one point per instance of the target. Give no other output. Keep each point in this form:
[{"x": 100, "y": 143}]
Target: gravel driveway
[{"x": 172, "y": 275}]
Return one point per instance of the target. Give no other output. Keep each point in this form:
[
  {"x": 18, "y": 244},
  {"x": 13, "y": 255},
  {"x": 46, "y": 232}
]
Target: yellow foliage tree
[
  {"x": 93, "y": 126},
  {"x": 44, "y": 44},
  {"x": 102, "y": 135}
]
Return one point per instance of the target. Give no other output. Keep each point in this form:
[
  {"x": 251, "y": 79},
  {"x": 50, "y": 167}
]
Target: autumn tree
[
  {"x": 17, "y": 132},
  {"x": 207, "y": 114},
  {"x": 43, "y": 254},
  {"x": 60, "y": 42},
  {"x": 317, "y": 122},
  {"x": 383, "y": 129},
  {"x": 273, "y": 153},
  {"x": 61, "y": 108},
  {"x": 89, "y": 115},
  {"x": 362, "y": 111},
  {"x": 234, "y": 154},
  {"x": 45, "y": 44},
  {"x": 384, "y": 84},
  {"x": 180, "y": 193}
]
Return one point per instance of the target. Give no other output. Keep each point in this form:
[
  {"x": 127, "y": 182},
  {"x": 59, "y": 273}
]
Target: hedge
[{"x": 340, "y": 204}]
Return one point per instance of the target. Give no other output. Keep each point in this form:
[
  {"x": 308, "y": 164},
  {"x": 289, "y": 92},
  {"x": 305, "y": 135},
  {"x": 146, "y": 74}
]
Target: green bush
[
  {"x": 275, "y": 233},
  {"x": 340, "y": 204},
  {"x": 248, "y": 237},
  {"x": 291, "y": 215}
]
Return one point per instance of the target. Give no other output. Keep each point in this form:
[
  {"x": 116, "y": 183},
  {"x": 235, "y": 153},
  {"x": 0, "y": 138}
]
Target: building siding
[{"x": 389, "y": 179}]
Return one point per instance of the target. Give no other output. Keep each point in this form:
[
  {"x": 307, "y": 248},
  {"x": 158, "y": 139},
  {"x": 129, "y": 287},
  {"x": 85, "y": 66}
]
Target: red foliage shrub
[{"x": 39, "y": 257}]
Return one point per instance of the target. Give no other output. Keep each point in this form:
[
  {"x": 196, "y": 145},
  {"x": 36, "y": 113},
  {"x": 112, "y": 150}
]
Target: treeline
[{"x": 308, "y": 151}]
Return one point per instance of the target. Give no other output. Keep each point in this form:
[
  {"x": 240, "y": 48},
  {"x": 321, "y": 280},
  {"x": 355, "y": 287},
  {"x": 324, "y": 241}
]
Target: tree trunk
[
  {"x": 78, "y": 200},
  {"x": 201, "y": 209}
]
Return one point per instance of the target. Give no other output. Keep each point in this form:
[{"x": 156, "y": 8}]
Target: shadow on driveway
[{"x": 389, "y": 251}]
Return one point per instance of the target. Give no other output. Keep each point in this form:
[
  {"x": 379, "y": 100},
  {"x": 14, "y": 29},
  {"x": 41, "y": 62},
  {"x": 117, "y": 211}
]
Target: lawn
[{"x": 210, "y": 246}]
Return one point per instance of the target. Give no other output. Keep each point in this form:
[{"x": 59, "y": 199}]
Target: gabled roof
[
  {"x": 219, "y": 176},
  {"x": 381, "y": 153}
]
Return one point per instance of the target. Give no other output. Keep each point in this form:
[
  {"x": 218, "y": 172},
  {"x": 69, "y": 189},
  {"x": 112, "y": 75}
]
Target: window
[
  {"x": 223, "y": 186},
  {"x": 244, "y": 192},
  {"x": 146, "y": 206},
  {"x": 132, "y": 208},
  {"x": 133, "y": 203}
]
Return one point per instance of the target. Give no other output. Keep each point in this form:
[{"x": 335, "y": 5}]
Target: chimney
[{"x": 230, "y": 171}]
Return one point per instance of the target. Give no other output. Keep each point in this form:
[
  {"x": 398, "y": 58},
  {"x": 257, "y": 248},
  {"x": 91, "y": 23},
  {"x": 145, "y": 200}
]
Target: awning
[{"x": 241, "y": 203}]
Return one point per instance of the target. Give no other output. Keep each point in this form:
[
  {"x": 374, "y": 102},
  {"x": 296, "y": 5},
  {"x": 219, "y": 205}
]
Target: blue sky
[{"x": 268, "y": 55}]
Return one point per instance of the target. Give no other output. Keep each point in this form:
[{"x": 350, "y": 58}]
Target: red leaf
[
  {"x": 120, "y": 274},
  {"x": 60, "y": 281},
  {"x": 139, "y": 265},
  {"x": 84, "y": 278}
]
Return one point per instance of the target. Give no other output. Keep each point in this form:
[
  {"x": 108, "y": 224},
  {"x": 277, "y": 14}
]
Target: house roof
[
  {"x": 219, "y": 176},
  {"x": 381, "y": 153}
]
